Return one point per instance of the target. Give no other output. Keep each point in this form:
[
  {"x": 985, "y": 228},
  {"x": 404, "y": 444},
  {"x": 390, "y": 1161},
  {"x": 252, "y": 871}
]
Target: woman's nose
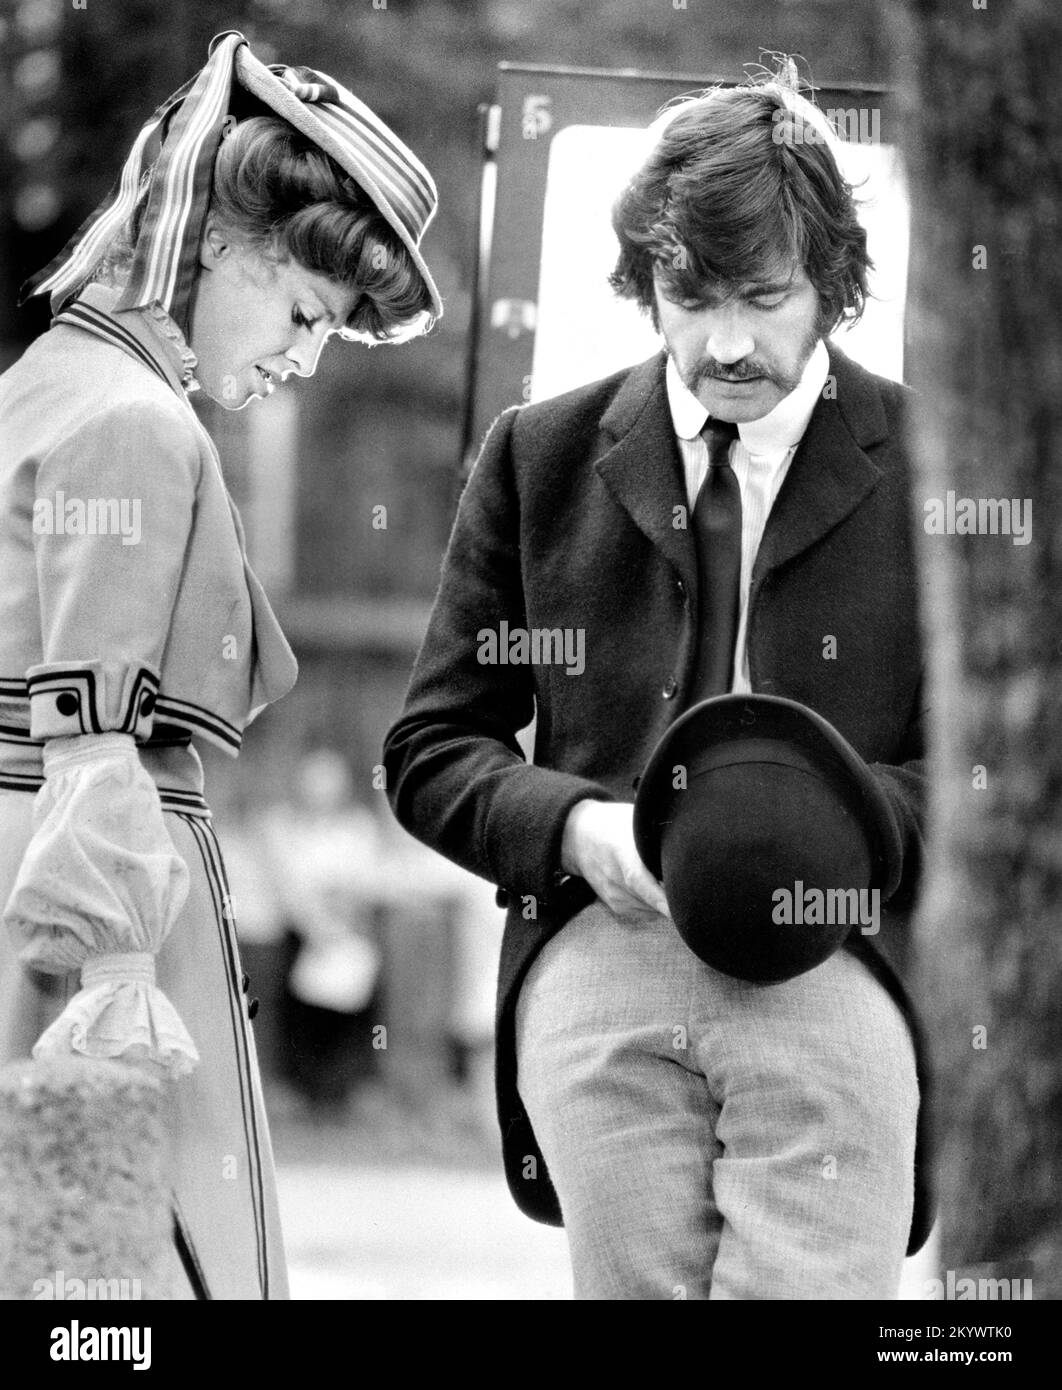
[{"x": 304, "y": 354}]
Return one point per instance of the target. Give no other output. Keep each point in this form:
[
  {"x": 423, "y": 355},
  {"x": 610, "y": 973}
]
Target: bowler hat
[{"x": 770, "y": 834}]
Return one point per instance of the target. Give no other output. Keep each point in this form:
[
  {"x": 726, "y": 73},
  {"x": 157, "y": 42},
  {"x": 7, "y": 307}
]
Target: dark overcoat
[{"x": 571, "y": 520}]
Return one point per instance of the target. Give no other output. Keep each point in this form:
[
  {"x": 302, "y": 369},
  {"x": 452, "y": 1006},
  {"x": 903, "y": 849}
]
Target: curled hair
[
  {"x": 736, "y": 188},
  {"x": 288, "y": 199}
]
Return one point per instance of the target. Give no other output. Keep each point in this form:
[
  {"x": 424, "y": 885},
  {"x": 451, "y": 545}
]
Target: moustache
[{"x": 710, "y": 370}]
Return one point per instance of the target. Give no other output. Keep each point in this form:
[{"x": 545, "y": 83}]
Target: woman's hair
[
  {"x": 277, "y": 191},
  {"x": 741, "y": 182}
]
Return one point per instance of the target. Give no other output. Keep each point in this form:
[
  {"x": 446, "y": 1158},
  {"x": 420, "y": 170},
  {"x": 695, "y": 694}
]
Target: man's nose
[{"x": 729, "y": 336}]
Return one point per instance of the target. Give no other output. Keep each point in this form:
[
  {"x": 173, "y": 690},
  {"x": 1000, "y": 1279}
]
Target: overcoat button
[
  {"x": 147, "y": 704},
  {"x": 67, "y": 704},
  {"x": 670, "y": 686},
  {"x": 501, "y": 897},
  {"x": 252, "y": 1008},
  {"x": 245, "y": 981}
]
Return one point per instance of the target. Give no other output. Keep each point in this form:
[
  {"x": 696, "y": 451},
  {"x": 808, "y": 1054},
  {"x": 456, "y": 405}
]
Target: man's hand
[{"x": 598, "y": 845}]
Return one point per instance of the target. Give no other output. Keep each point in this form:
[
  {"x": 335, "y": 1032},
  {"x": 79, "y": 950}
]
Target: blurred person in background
[
  {"x": 325, "y": 863},
  {"x": 703, "y": 1172},
  {"x": 259, "y": 212}
]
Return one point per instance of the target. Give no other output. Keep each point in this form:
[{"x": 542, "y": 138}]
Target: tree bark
[{"x": 983, "y": 116}]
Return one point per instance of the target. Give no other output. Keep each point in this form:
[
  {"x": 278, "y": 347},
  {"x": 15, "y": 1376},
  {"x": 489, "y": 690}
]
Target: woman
[{"x": 260, "y": 211}]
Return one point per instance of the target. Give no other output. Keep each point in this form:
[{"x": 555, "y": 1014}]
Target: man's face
[{"x": 743, "y": 350}]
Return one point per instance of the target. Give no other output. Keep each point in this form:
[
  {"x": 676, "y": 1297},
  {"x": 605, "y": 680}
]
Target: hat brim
[
  {"x": 256, "y": 78},
  {"x": 733, "y": 718}
]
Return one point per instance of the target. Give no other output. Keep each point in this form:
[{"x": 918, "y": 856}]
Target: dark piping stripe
[
  {"x": 210, "y": 851},
  {"x": 84, "y": 316},
  {"x": 188, "y": 1257}
]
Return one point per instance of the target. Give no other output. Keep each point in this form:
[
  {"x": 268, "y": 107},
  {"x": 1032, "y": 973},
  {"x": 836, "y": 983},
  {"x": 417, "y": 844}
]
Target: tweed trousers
[{"x": 709, "y": 1138}]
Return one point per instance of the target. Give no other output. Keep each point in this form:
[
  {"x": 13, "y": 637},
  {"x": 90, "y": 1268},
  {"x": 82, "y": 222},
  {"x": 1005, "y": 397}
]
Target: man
[{"x": 698, "y": 1136}]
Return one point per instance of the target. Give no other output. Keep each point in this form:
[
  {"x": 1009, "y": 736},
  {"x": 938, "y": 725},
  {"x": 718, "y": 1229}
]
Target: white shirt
[{"x": 760, "y": 458}]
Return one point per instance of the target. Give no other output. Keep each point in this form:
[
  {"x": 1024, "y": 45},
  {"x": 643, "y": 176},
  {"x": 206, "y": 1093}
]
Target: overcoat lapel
[
  {"x": 830, "y": 474},
  {"x": 829, "y": 477},
  {"x": 641, "y": 467}
]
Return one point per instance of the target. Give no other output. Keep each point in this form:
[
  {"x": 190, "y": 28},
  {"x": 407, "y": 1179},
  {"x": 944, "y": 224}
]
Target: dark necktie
[{"x": 717, "y": 533}]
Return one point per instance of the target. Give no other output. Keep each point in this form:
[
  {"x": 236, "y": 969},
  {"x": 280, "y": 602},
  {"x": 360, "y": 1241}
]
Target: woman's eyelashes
[{"x": 300, "y": 320}]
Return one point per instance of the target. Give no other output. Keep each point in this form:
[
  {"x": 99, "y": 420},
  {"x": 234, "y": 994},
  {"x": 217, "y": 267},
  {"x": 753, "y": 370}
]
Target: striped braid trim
[
  {"x": 181, "y": 803},
  {"x": 198, "y": 721},
  {"x": 214, "y": 866},
  {"x": 82, "y": 315}
]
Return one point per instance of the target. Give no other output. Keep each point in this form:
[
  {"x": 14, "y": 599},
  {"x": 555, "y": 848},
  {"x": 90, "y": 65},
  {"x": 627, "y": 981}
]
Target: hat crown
[
  {"x": 746, "y": 795},
  {"x": 370, "y": 144}
]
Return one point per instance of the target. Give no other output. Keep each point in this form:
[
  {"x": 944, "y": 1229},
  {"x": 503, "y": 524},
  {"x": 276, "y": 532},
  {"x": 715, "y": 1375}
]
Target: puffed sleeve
[
  {"x": 99, "y": 888},
  {"x": 101, "y": 882},
  {"x": 111, "y": 520}
]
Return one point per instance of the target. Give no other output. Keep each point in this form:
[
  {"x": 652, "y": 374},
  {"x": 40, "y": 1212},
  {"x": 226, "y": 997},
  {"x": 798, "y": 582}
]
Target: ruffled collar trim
[{"x": 166, "y": 329}]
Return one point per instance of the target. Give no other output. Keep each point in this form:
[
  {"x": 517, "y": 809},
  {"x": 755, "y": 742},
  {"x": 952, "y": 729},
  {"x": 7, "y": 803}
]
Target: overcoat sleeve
[
  {"x": 904, "y": 783},
  {"x": 456, "y": 776}
]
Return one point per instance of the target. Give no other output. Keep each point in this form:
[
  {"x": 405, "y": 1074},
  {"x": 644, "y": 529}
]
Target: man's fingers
[
  {"x": 636, "y": 895},
  {"x": 641, "y": 884}
]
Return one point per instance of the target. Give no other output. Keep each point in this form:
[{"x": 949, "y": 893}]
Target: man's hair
[{"x": 741, "y": 182}]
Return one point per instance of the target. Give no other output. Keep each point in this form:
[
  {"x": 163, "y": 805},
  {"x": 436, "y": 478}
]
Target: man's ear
[{"x": 214, "y": 245}]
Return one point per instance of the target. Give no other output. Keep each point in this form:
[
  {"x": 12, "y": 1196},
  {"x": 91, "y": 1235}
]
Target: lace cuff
[
  {"x": 120, "y": 1013},
  {"x": 99, "y": 888}
]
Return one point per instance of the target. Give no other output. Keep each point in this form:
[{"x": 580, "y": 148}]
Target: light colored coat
[{"x": 126, "y": 599}]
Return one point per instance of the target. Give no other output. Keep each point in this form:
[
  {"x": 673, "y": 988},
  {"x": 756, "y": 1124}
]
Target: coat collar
[
  {"x": 829, "y": 477},
  {"x": 157, "y": 342},
  {"x": 830, "y": 474},
  {"x": 641, "y": 466}
]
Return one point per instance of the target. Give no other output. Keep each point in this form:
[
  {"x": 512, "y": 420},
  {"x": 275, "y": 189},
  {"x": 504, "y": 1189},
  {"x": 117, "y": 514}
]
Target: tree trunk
[{"x": 983, "y": 99}]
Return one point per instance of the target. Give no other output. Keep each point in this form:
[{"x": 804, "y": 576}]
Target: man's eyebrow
[{"x": 767, "y": 286}]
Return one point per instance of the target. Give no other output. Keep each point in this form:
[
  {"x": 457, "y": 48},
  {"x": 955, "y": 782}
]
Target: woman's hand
[{"x": 598, "y": 845}]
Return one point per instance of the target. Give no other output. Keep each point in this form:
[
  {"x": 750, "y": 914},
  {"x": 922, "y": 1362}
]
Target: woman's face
[{"x": 255, "y": 321}]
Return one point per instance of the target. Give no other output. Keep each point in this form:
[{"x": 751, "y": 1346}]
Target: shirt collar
[{"x": 780, "y": 429}]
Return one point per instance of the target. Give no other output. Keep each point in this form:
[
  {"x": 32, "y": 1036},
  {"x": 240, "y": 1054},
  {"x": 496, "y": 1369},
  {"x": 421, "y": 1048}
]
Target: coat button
[
  {"x": 147, "y": 704},
  {"x": 252, "y": 1008},
  {"x": 501, "y": 897},
  {"x": 67, "y": 704},
  {"x": 245, "y": 981},
  {"x": 670, "y": 686}
]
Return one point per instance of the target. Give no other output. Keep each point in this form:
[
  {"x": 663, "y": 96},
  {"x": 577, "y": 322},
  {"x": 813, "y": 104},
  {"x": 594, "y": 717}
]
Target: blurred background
[{"x": 372, "y": 958}]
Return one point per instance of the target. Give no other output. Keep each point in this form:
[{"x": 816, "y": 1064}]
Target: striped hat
[{"x": 182, "y": 139}]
